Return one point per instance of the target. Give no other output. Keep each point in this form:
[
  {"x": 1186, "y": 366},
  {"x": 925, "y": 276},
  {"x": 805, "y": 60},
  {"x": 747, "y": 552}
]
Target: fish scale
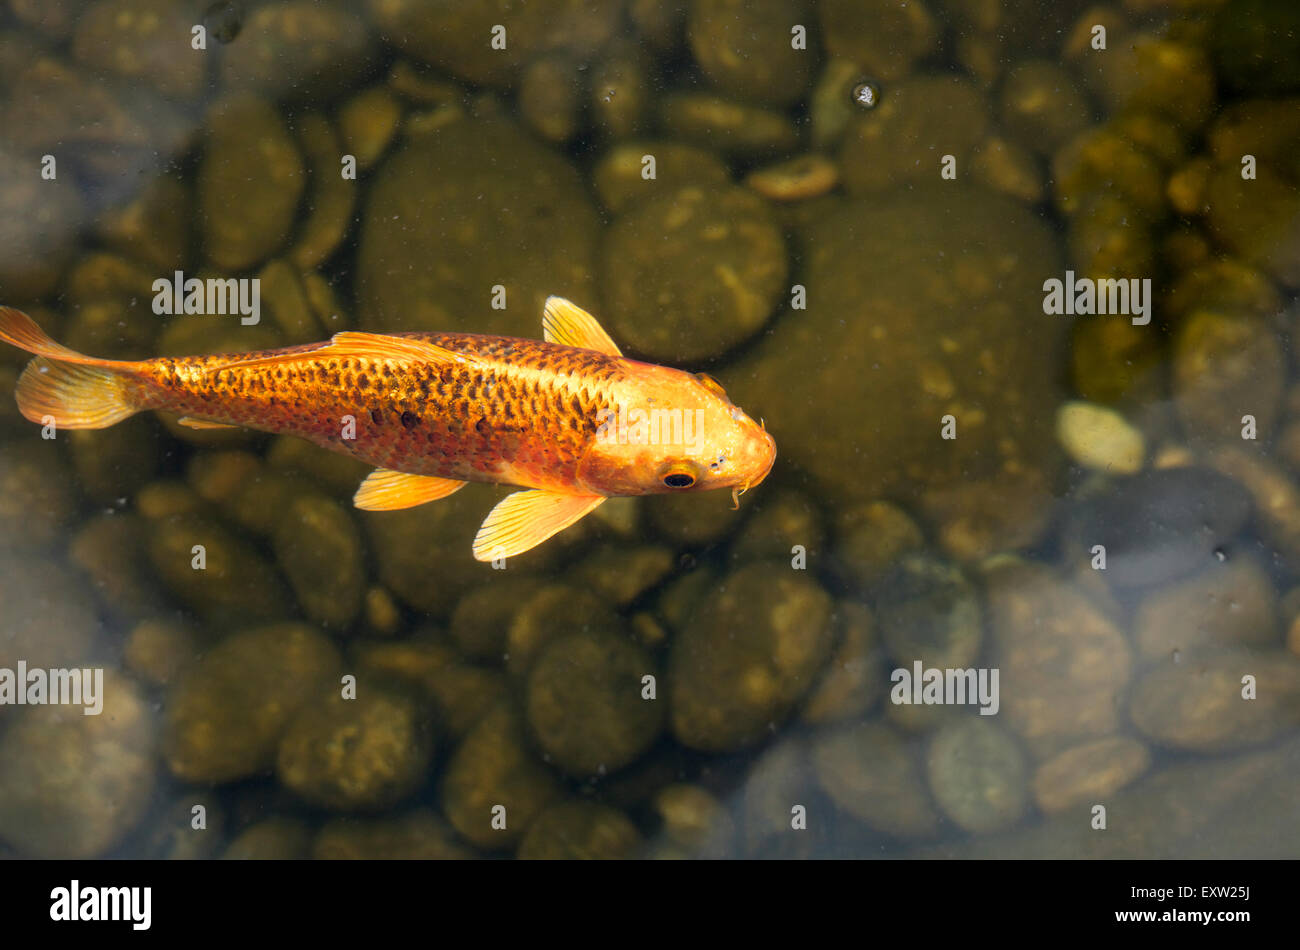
[{"x": 523, "y": 413}]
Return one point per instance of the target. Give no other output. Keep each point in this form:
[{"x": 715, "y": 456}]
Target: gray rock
[
  {"x": 978, "y": 774},
  {"x": 871, "y": 773},
  {"x": 582, "y": 831},
  {"x": 585, "y": 702},
  {"x": 366, "y": 753},
  {"x": 72, "y": 785},
  {"x": 432, "y": 245},
  {"x": 692, "y": 272},
  {"x": 319, "y": 547},
  {"x": 929, "y": 611},
  {"x": 746, "y": 656},
  {"x": 225, "y": 715}
]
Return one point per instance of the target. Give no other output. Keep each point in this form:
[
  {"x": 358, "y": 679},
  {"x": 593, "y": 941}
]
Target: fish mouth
[{"x": 755, "y": 482}]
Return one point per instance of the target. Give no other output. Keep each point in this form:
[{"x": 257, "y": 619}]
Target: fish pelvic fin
[
  {"x": 73, "y": 390},
  {"x": 525, "y": 519},
  {"x": 386, "y": 490}
]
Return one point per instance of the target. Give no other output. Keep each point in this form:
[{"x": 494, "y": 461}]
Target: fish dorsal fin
[
  {"x": 569, "y": 325},
  {"x": 526, "y": 519},
  {"x": 386, "y": 490},
  {"x": 375, "y": 346},
  {"x": 191, "y": 423}
]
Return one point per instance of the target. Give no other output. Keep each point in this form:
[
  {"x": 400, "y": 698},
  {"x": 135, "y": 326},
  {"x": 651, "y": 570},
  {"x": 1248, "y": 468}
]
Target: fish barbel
[{"x": 569, "y": 419}]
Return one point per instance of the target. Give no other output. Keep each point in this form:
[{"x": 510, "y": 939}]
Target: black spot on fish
[
  {"x": 482, "y": 427},
  {"x": 377, "y": 417},
  {"x": 409, "y": 419}
]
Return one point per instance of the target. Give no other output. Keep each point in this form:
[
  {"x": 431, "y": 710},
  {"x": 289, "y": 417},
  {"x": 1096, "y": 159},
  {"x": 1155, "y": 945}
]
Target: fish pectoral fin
[
  {"x": 569, "y": 325},
  {"x": 374, "y": 346},
  {"x": 527, "y": 518},
  {"x": 386, "y": 490},
  {"x": 191, "y": 423}
]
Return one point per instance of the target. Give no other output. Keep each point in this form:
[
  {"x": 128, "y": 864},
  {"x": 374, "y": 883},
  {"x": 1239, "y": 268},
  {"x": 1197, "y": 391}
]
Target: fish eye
[{"x": 679, "y": 479}]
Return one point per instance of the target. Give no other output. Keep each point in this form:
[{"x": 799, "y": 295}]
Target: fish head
[{"x": 672, "y": 432}]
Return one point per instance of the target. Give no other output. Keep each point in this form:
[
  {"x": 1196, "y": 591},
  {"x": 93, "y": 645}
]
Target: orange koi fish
[{"x": 570, "y": 420}]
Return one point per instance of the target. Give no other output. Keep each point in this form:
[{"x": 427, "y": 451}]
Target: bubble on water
[{"x": 867, "y": 94}]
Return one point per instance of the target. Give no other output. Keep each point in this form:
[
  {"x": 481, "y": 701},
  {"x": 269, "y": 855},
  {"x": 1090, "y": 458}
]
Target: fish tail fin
[{"x": 74, "y": 390}]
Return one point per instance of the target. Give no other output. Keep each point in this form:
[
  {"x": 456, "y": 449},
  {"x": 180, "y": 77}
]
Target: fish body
[{"x": 432, "y": 411}]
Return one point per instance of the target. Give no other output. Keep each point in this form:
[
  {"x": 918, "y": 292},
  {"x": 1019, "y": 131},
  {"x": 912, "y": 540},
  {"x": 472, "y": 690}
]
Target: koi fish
[{"x": 432, "y": 411}]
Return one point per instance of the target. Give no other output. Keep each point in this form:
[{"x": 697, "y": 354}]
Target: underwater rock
[
  {"x": 1160, "y": 524},
  {"x": 1151, "y": 73},
  {"x": 746, "y": 656},
  {"x": 493, "y": 778},
  {"x": 619, "y": 92},
  {"x": 434, "y": 235},
  {"x": 366, "y": 753},
  {"x": 618, "y": 175},
  {"x": 1102, "y": 162},
  {"x": 250, "y": 180},
  {"x": 295, "y": 48},
  {"x": 580, "y": 831},
  {"x": 904, "y": 138},
  {"x": 456, "y": 37},
  {"x": 885, "y": 38},
  {"x": 276, "y": 839},
  {"x": 153, "y": 225},
  {"x": 781, "y": 521},
  {"x": 1001, "y": 165},
  {"x": 1228, "y": 604},
  {"x": 225, "y": 715},
  {"x": 49, "y": 615},
  {"x": 898, "y": 335},
  {"x": 73, "y": 785},
  {"x": 929, "y": 612},
  {"x": 112, "y": 550},
  {"x": 549, "y": 97},
  {"x": 1100, "y": 438},
  {"x": 419, "y": 835},
  {"x": 831, "y": 106},
  {"x": 1040, "y": 106},
  {"x": 872, "y": 774},
  {"x": 795, "y": 179},
  {"x": 481, "y": 620},
  {"x": 1257, "y": 220},
  {"x": 460, "y": 693},
  {"x": 586, "y": 702},
  {"x": 1256, "y": 45},
  {"x": 1087, "y": 774},
  {"x": 1109, "y": 237},
  {"x": 1064, "y": 664},
  {"x": 734, "y": 128},
  {"x": 620, "y": 573},
  {"x": 38, "y": 223},
  {"x": 158, "y": 650},
  {"x": 1201, "y": 703},
  {"x": 693, "y": 518},
  {"x": 852, "y": 682},
  {"x": 113, "y": 465},
  {"x": 551, "y": 612},
  {"x": 745, "y": 48},
  {"x": 1222, "y": 284},
  {"x": 1274, "y": 493},
  {"x": 978, "y": 775},
  {"x": 691, "y": 817},
  {"x": 869, "y": 538},
  {"x": 330, "y": 199},
  {"x": 318, "y": 546},
  {"x": 143, "y": 41},
  {"x": 692, "y": 272},
  {"x": 36, "y": 497},
  {"x": 214, "y": 571}
]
